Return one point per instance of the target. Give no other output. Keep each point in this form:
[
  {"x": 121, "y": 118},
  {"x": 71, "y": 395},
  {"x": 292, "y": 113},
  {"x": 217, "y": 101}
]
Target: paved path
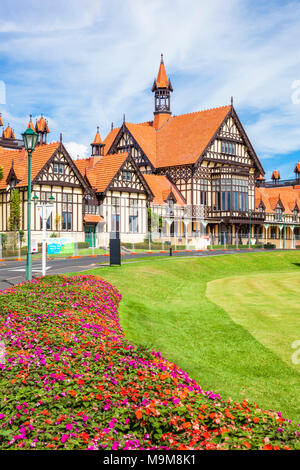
[{"x": 13, "y": 272}]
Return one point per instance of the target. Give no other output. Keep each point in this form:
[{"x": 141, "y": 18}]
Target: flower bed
[{"x": 71, "y": 380}]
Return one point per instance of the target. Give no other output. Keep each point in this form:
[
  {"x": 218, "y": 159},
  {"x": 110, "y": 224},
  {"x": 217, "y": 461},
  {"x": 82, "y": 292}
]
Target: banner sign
[{"x": 60, "y": 246}]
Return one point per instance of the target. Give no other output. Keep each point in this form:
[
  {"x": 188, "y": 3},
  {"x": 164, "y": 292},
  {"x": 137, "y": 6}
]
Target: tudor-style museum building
[{"x": 198, "y": 171}]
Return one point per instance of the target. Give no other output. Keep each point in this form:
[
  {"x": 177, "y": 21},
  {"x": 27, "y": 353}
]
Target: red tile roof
[
  {"x": 275, "y": 175},
  {"x": 101, "y": 174},
  {"x": 42, "y": 125},
  {"x": 1, "y": 120},
  {"x": 180, "y": 140},
  {"x": 161, "y": 187},
  {"x": 93, "y": 218},
  {"x": 97, "y": 139},
  {"x": 162, "y": 79},
  {"x": 8, "y": 133},
  {"x": 19, "y": 159},
  {"x": 289, "y": 196},
  {"x": 297, "y": 168}
]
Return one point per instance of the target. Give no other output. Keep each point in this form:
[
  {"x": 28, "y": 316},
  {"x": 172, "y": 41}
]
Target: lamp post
[
  {"x": 45, "y": 211},
  {"x": 29, "y": 139},
  {"x": 250, "y": 213}
]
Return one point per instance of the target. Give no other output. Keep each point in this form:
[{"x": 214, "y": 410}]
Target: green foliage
[
  {"x": 4, "y": 239},
  {"x": 15, "y": 211},
  {"x": 21, "y": 235},
  {"x": 81, "y": 245}
]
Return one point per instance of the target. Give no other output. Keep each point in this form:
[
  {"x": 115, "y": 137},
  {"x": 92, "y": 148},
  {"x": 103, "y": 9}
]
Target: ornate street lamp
[{"x": 30, "y": 140}]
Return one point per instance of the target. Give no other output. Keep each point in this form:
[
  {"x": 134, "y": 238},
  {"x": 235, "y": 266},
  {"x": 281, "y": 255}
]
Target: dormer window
[
  {"x": 229, "y": 148},
  {"x": 278, "y": 214},
  {"x": 295, "y": 214},
  {"x": 170, "y": 207}
]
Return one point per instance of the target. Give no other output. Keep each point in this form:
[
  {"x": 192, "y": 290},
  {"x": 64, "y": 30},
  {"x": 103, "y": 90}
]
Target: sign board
[
  {"x": 34, "y": 246},
  {"x": 202, "y": 242},
  {"x": 60, "y": 246}
]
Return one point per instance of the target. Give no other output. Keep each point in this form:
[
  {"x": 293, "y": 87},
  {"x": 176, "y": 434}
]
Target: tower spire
[
  {"x": 97, "y": 145},
  {"x": 162, "y": 88}
]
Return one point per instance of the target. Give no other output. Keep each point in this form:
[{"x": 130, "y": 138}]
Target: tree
[{"x": 15, "y": 211}]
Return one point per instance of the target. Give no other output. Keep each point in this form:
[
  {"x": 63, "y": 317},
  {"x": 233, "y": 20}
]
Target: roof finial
[
  {"x": 30, "y": 117},
  {"x": 60, "y": 138},
  {"x": 232, "y": 101},
  {"x": 98, "y": 129},
  {"x": 124, "y": 117},
  {"x": 161, "y": 58},
  {"x": 112, "y": 126}
]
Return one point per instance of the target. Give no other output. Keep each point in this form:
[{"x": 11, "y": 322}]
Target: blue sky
[{"x": 85, "y": 63}]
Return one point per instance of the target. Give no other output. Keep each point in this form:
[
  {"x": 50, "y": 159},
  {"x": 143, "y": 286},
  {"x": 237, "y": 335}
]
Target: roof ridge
[{"x": 201, "y": 111}]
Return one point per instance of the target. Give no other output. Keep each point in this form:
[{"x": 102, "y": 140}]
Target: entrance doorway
[{"x": 90, "y": 231}]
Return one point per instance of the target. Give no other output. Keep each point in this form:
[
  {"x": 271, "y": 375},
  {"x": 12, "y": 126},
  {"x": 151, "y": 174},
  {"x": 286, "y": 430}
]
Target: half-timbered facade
[
  {"x": 120, "y": 199},
  {"x": 53, "y": 174},
  {"x": 198, "y": 170},
  {"x": 209, "y": 158}
]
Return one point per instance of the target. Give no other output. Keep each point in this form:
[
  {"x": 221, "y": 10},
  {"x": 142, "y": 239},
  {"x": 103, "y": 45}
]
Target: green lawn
[
  {"x": 165, "y": 305},
  {"x": 267, "y": 305}
]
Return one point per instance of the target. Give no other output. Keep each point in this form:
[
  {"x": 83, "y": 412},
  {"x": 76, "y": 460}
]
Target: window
[
  {"x": 126, "y": 176},
  {"x": 67, "y": 221},
  {"x": 278, "y": 214},
  {"x": 170, "y": 208},
  {"x": 230, "y": 194},
  {"x": 228, "y": 147},
  {"x": 203, "y": 191},
  {"x": 295, "y": 215},
  {"x": 67, "y": 211},
  {"x": 133, "y": 215},
  {"x": 58, "y": 168}
]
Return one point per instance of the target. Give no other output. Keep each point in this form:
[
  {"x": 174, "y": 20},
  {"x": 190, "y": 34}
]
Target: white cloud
[{"x": 76, "y": 150}]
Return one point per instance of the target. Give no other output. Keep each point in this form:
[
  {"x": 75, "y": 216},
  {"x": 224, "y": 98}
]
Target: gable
[
  {"x": 231, "y": 145},
  {"x": 129, "y": 179},
  {"x": 134, "y": 139},
  {"x": 60, "y": 170}
]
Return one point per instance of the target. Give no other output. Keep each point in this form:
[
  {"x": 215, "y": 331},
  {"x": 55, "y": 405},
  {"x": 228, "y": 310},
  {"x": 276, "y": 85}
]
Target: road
[{"x": 13, "y": 272}]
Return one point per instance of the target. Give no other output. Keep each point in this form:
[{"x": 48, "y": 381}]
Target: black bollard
[{"x": 171, "y": 251}]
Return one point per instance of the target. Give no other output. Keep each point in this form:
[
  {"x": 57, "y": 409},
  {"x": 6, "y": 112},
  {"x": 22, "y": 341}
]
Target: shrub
[{"x": 81, "y": 245}]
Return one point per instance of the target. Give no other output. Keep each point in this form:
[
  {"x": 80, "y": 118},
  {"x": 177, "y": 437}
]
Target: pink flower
[
  {"x": 2, "y": 416},
  {"x": 64, "y": 438},
  {"x": 69, "y": 427},
  {"x": 115, "y": 445}
]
